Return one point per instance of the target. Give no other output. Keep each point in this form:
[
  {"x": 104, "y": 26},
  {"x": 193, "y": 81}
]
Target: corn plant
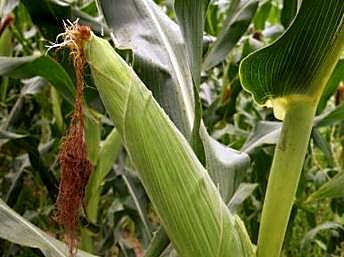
[{"x": 155, "y": 109}]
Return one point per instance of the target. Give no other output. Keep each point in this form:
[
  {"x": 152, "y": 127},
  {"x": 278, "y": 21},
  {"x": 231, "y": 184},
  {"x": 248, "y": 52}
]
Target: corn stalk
[{"x": 290, "y": 75}]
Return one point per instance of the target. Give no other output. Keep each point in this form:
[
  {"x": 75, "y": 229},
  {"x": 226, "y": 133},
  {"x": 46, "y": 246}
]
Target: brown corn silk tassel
[{"x": 75, "y": 167}]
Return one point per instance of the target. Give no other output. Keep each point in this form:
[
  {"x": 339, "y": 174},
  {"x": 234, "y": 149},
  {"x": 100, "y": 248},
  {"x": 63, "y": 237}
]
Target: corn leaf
[
  {"x": 16, "y": 229},
  {"x": 159, "y": 243},
  {"x": 44, "y": 66},
  {"x": 288, "y": 12},
  {"x": 238, "y": 19},
  {"x": 189, "y": 204},
  {"x": 268, "y": 132},
  {"x": 331, "y": 117},
  {"x": 302, "y": 60},
  {"x": 332, "y": 189},
  {"x": 331, "y": 87},
  {"x": 191, "y": 15},
  {"x": 311, "y": 235},
  {"x": 107, "y": 155}
]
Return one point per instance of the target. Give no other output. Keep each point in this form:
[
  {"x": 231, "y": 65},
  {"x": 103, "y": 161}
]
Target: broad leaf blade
[
  {"x": 301, "y": 61},
  {"x": 44, "y": 66},
  {"x": 225, "y": 166},
  {"x": 265, "y": 132},
  {"x": 191, "y": 15},
  {"x": 16, "y": 229},
  {"x": 159, "y": 53},
  {"x": 243, "y": 192}
]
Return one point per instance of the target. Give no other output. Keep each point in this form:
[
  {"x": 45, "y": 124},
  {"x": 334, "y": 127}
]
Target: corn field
[{"x": 172, "y": 128}]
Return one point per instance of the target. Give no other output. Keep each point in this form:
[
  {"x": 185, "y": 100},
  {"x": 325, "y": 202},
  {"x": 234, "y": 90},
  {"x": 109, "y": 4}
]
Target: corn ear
[{"x": 189, "y": 204}]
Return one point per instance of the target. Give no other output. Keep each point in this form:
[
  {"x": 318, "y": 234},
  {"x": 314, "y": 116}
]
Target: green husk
[{"x": 190, "y": 206}]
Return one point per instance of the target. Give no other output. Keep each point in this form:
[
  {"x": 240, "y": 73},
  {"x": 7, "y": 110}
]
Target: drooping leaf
[
  {"x": 334, "y": 116},
  {"x": 265, "y": 132},
  {"x": 16, "y": 229},
  {"x": 44, "y": 66},
  {"x": 242, "y": 193},
  {"x": 225, "y": 166},
  {"x": 310, "y": 235},
  {"x": 333, "y": 188},
  {"x": 268, "y": 132},
  {"x": 237, "y": 21}
]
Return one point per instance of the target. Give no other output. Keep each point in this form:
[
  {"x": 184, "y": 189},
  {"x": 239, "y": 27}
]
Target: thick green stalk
[{"x": 285, "y": 173}]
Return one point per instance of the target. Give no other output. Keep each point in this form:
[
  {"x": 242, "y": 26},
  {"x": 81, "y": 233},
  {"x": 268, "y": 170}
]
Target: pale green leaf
[
  {"x": 191, "y": 15},
  {"x": 16, "y": 229}
]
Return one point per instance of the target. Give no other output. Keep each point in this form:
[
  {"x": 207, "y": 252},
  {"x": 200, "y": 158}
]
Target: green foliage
[{"x": 187, "y": 53}]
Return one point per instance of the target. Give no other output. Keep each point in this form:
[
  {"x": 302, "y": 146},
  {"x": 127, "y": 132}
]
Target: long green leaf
[
  {"x": 16, "y": 229},
  {"x": 44, "y": 66},
  {"x": 332, "y": 85},
  {"x": 334, "y": 188},
  {"x": 107, "y": 155},
  {"x": 191, "y": 15},
  {"x": 238, "y": 19},
  {"x": 268, "y": 132}
]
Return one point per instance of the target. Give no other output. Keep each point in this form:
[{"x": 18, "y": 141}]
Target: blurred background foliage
[{"x": 36, "y": 93}]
